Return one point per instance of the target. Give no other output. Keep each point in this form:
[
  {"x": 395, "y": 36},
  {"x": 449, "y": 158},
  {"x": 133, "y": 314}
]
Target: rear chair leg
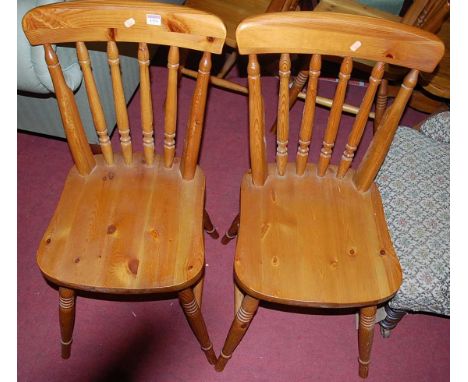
[
  {"x": 232, "y": 231},
  {"x": 197, "y": 324},
  {"x": 66, "y": 319},
  {"x": 238, "y": 328},
  {"x": 238, "y": 297},
  {"x": 365, "y": 338},
  {"x": 208, "y": 226}
]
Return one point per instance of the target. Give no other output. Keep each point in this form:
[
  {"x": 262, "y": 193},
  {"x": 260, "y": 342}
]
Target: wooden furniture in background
[
  {"x": 425, "y": 14},
  {"x": 315, "y": 235},
  {"x": 232, "y": 12},
  {"x": 128, "y": 223}
]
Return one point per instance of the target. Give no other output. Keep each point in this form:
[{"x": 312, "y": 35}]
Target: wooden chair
[
  {"x": 232, "y": 12},
  {"x": 128, "y": 223},
  {"x": 315, "y": 235},
  {"x": 425, "y": 14}
]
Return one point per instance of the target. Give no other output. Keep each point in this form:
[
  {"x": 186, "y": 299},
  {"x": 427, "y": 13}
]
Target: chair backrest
[
  {"x": 346, "y": 36},
  {"x": 142, "y": 22}
]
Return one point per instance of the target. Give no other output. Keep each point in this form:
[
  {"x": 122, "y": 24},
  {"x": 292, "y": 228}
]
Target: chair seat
[
  {"x": 120, "y": 228},
  {"x": 314, "y": 241}
]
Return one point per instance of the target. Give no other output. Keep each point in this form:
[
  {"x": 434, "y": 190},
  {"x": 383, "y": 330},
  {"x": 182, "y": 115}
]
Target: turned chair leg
[
  {"x": 232, "y": 231},
  {"x": 208, "y": 226},
  {"x": 365, "y": 338},
  {"x": 198, "y": 290},
  {"x": 197, "y": 324},
  {"x": 66, "y": 319},
  {"x": 238, "y": 329},
  {"x": 380, "y": 104},
  {"x": 238, "y": 297},
  {"x": 228, "y": 64},
  {"x": 394, "y": 316}
]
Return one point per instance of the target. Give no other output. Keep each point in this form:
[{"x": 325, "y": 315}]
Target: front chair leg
[
  {"x": 197, "y": 324},
  {"x": 365, "y": 338},
  {"x": 238, "y": 329},
  {"x": 66, "y": 319},
  {"x": 232, "y": 231},
  {"x": 208, "y": 226}
]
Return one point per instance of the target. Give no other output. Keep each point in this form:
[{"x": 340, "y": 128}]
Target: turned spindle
[
  {"x": 335, "y": 116},
  {"x": 119, "y": 102},
  {"x": 361, "y": 119},
  {"x": 146, "y": 103},
  {"x": 307, "y": 124},
  {"x": 170, "y": 121},
  {"x": 66, "y": 319},
  {"x": 95, "y": 103},
  {"x": 282, "y": 132}
]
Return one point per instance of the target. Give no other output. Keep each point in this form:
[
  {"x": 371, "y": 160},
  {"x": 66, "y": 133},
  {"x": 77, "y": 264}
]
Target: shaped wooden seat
[
  {"x": 315, "y": 234},
  {"x": 132, "y": 222},
  {"x": 303, "y": 240},
  {"x": 117, "y": 229}
]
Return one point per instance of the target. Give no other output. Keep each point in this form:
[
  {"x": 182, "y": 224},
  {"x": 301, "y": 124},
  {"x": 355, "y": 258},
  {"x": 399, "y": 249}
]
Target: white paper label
[
  {"x": 130, "y": 22},
  {"x": 355, "y": 46},
  {"x": 153, "y": 19}
]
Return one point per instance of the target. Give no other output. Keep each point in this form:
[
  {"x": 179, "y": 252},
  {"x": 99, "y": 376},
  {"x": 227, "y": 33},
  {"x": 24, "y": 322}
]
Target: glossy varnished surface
[
  {"x": 126, "y": 229},
  {"x": 311, "y": 241}
]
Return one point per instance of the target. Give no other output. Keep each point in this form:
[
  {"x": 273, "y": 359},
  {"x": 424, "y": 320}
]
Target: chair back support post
[
  {"x": 257, "y": 143},
  {"x": 378, "y": 149},
  {"x": 195, "y": 122},
  {"x": 94, "y": 102},
  {"x": 170, "y": 120},
  {"x": 76, "y": 137}
]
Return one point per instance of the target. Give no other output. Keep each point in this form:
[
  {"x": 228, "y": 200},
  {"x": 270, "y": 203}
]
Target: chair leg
[
  {"x": 380, "y": 104},
  {"x": 365, "y": 338},
  {"x": 238, "y": 297},
  {"x": 66, "y": 319},
  {"x": 198, "y": 291},
  {"x": 394, "y": 316},
  {"x": 208, "y": 226},
  {"x": 238, "y": 329},
  {"x": 197, "y": 324},
  {"x": 228, "y": 64},
  {"x": 232, "y": 231}
]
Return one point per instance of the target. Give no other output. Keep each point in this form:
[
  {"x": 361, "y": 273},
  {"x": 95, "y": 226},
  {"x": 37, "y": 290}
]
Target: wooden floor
[
  {"x": 314, "y": 241},
  {"x": 122, "y": 227}
]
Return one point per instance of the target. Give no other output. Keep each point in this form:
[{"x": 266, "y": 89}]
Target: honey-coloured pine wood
[
  {"x": 94, "y": 102},
  {"x": 170, "y": 121},
  {"x": 361, "y": 119},
  {"x": 120, "y": 103},
  {"x": 195, "y": 123},
  {"x": 66, "y": 319},
  {"x": 316, "y": 235},
  {"x": 121, "y": 20},
  {"x": 146, "y": 103},
  {"x": 283, "y": 114},
  {"x": 76, "y": 138},
  {"x": 305, "y": 134},
  {"x": 335, "y": 116},
  {"x": 128, "y": 223}
]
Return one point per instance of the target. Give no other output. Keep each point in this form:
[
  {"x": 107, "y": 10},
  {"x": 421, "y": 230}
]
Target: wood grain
[
  {"x": 300, "y": 241},
  {"x": 346, "y": 36},
  {"x": 170, "y": 121},
  {"x": 107, "y": 20},
  {"x": 118, "y": 229}
]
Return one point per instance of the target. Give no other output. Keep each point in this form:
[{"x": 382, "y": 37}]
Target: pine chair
[
  {"x": 425, "y": 14},
  {"x": 128, "y": 223},
  {"x": 314, "y": 234}
]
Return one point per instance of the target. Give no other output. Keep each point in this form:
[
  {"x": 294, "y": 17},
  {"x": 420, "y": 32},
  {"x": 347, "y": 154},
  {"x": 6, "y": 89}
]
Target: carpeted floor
[{"x": 149, "y": 340}]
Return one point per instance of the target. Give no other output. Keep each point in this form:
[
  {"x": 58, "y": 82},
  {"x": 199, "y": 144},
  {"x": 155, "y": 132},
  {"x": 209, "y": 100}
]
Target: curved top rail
[
  {"x": 117, "y": 20},
  {"x": 340, "y": 35}
]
